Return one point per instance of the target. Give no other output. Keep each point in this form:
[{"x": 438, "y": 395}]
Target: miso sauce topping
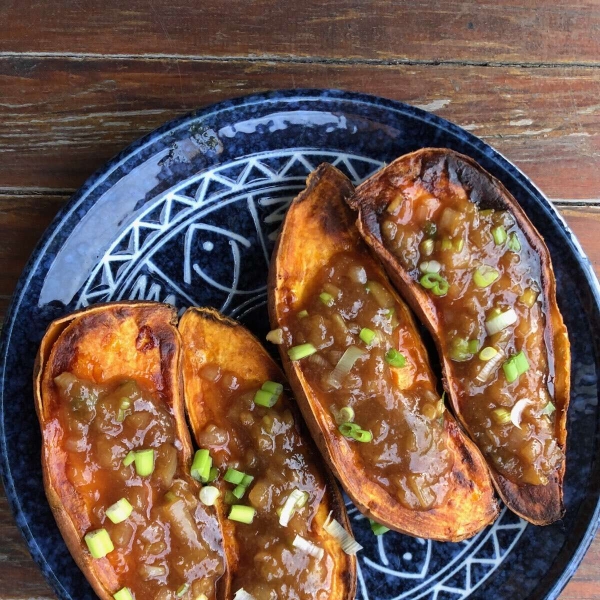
[
  {"x": 362, "y": 363},
  {"x": 168, "y": 547},
  {"x": 484, "y": 280}
]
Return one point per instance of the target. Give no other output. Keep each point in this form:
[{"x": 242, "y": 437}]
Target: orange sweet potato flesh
[
  {"x": 539, "y": 504},
  {"x": 136, "y": 341},
  {"x": 317, "y": 226},
  {"x": 210, "y": 338}
]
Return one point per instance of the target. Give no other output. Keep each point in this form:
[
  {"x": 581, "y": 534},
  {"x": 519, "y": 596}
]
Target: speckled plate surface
[{"x": 188, "y": 215}]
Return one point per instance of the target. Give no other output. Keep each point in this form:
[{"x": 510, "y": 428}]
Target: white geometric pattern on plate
[{"x": 164, "y": 254}]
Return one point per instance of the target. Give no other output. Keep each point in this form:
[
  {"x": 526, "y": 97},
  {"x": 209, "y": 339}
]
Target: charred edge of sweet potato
[
  {"x": 320, "y": 211},
  {"x": 225, "y": 330},
  {"x": 540, "y": 505},
  {"x": 54, "y": 357}
]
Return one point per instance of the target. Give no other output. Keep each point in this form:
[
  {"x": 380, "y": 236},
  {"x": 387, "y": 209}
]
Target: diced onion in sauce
[
  {"x": 501, "y": 321},
  {"x": 209, "y": 495},
  {"x": 308, "y": 547},
  {"x": 513, "y": 243},
  {"x": 346, "y": 541},
  {"x": 275, "y": 336}
]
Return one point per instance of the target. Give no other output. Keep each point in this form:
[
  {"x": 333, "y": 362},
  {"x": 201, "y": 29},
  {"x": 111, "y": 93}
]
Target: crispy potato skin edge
[
  {"x": 540, "y": 505},
  {"x": 321, "y": 204}
]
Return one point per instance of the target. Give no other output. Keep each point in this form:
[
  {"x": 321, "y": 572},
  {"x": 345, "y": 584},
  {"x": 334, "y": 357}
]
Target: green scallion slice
[
  {"x": 346, "y": 415},
  {"x": 301, "y": 351},
  {"x": 473, "y": 346},
  {"x": 347, "y": 429},
  {"x": 128, "y": 460},
  {"x": 302, "y": 314},
  {"x": 123, "y": 594},
  {"x": 144, "y": 462},
  {"x": 361, "y": 435},
  {"x": 484, "y": 276},
  {"x": 212, "y": 474},
  {"x": 436, "y": 283},
  {"x": 446, "y": 244},
  {"x": 264, "y": 398},
  {"x": 326, "y": 299},
  {"x": 242, "y": 514},
  {"x": 395, "y": 358},
  {"x": 273, "y": 387},
  {"x": 234, "y": 476},
  {"x": 521, "y": 362},
  {"x": 367, "y": 335},
  {"x": 510, "y": 370},
  {"x": 548, "y": 409},
  {"x": 99, "y": 543},
  {"x": 239, "y": 491},
  {"x": 181, "y": 590},
  {"x": 499, "y": 235},
  {"x": 119, "y": 511},
  {"x": 501, "y": 416},
  {"x": 513, "y": 243},
  {"x": 378, "y": 528},
  {"x": 248, "y": 479},
  {"x": 201, "y": 466}
]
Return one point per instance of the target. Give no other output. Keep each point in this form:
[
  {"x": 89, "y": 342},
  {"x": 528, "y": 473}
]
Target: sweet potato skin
[
  {"x": 134, "y": 339},
  {"x": 319, "y": 225},
  {"x": 541, "y": 504},
  {"x": 211, "y": 337}
]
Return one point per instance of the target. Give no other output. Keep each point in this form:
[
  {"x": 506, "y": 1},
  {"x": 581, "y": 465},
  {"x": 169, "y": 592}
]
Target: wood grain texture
[
  {"x": 519, "y": 31},
  {"x": 61, "y": 119}
]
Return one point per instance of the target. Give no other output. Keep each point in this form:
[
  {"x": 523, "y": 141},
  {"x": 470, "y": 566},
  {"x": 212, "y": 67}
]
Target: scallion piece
[
  {"x": 367, "y": 335},
  {"x": 302, "y": 314},
  {"x": 301, "y": 351},
  {"x": 513, "y": 243},
  {"x": 548, "y": 409},
  {"x": 430, "y": 266},
  {"x": 515, "y": 366},
  {"x": 378, "y": 528},
  {"x": 212, "y": 474},
  {"x": 427, "y": 247},
  {"x": 234, "y": 476},
  {"x": 123, "y": 594},
  {"x": 239, "y": 491},
  {"x": 361, "y": 435},
  {"x": 345, "y": 415},
  {"x": 201, "y": 466},
  {"x": 346, "y": 429},
  {"x": 488, "y": 353},
  {"x": 521, "y": 362},
  {"x": 528, "y": 297},
  {"x": 345, "y": 540},
  {"x": 446, "y": 244},
  {"x": 275, "y": 336},
  {"x": 209, "y": 495},
  {"x": 128, "y": 460},
  {"x": 484, "y": 276},
  {"x": 501, "y": 416},
  {"x": 181, "y": 590},
  {"x": 458, "y": 244},
  {"x": 273, "y": 387},
  {"x": 99, "y": 543},
  {"x": 296, "y": 499},
  {"x": 264, "y": 398},
  {"x": 326, "y": 299},
  {"x": 395, "y": 358},
  {"x": 144, "y": 462},
  {"x": 499, "y": 235},
  {"x": 501, "y": 321},
  {"x": 473, "y": 346},
  {"x": 242, "y": 514},
  {"x": 436, "y": 283},
  {"x": 248, "y": 479},
  {"x": 308, "y": 547},
  {"x": 119, "y": 511}
]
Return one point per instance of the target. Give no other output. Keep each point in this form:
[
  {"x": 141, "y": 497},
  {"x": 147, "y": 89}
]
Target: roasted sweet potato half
[
  {"x": 362, "y": 378},
  {"x": 116, "y": 455},
  {"x": 268, "y": 468},
  {"x": 465, "y": 256}
]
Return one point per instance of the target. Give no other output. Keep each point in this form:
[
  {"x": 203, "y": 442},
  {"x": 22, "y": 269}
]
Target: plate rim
[{"x": 232, "y": 104}]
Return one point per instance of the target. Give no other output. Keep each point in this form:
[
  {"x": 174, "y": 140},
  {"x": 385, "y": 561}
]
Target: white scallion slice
[
  {"x": 209, "y": 495},
  {"x": 350, "y": 356},
  {"x": 242, "y": 594},
  {"x": 430, "y": 266},
  {"x": 346, "y": 541},
  {"x": 489, "y": 367},
  {"x": 294, "y": 500},
  {"x": 517, "y": 411},
  {"x": 308, "y": 547},
  {"x": 501, "y": 321}
]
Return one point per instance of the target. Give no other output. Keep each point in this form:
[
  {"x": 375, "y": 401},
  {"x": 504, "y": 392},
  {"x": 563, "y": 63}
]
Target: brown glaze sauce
[
  {"x": 169, "y": 544},
  {"x": 400, "y": 407},
  {"x": 267, "y": 444},
  {"x": 442, "y": 226}
]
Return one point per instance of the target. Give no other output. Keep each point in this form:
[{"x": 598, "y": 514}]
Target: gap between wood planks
[{"x": 276, "y": 58}]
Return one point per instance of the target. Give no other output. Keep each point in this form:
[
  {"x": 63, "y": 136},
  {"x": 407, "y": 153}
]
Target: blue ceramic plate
[{"x": 188, "y": 215}]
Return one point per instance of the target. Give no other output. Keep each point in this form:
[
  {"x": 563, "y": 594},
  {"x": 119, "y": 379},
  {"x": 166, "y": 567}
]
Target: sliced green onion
[
  {"x": 427, "y": 247},
  {"x": 275, "y": 336},
  {"x": 308, "y": 547},
  {"x": 446, "y": 244},
  {"x": 436, "y": 283},
  {"x": 345, "y": 540},
  {"x": 239, "y": 491},
  {"x": 521, "y": 362},
  {"x": 487, "y": 353},
  {"x": 123, "y": 594},
  {"x": 499, "y": 235},
  {"x": 366, "y": 335},
  {"x": 303, "y": 314},
  {"x": 125, "y": 405},
  {"x": 119, "y": 511},
  {"x": 458, "y": 244},
  {"x": 264, "y": 398},
  {"x": 378, "y": 528},
  {"x": 99, "y": 543},
  {"x": 484, "y": 276},
  {"x": 501, "y": 321},
  {"x": 234, "y": 476},
  {"x": 248, "y": 479},
  {"x": 201, "y": 466},
  {"x": 513, "y": 243},
  {"x": 209, "y": 495},
  {"x": 303, "y": 500},
  {"x": 548, "y": 409},
  {"x": 346, "y": 429},
  {"x": 229, "y": 498},
  {"x": 430, "y": 266},
  {"x": 361, "y": 435},
  {"x": 473, "y": 346},
  {"x": 501, "y": 416},
  {"x": 345, "y": 415},
  {"x": 212, "y": 474},
  {"x": 128, "y": 460},
  {"x": 295, "y": 500},
  {"x": 273, "y": 387},
  {"x": 121, "y": 416},
  {"x": 326, "y": 299},
  {"x": 182, "y": 589},
  {"x": 301, "y": 351},
  {"x": 515, "y": 366},
  {"x": 144, "y": 462},
  {"x": 242, "y": 514},
  {"x": 395, "y": 358},
  {"x": 430, "y": 228},
  {"x": 528, "y": 297}
]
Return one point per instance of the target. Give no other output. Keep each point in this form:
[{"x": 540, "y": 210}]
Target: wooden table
[{"x": 80, "y": 79}]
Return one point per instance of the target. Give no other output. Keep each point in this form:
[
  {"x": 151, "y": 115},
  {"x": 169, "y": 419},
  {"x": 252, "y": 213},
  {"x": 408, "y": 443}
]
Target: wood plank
[
  {"x": 455, "y": 30},
  {"x": 61, "y": 119}
]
